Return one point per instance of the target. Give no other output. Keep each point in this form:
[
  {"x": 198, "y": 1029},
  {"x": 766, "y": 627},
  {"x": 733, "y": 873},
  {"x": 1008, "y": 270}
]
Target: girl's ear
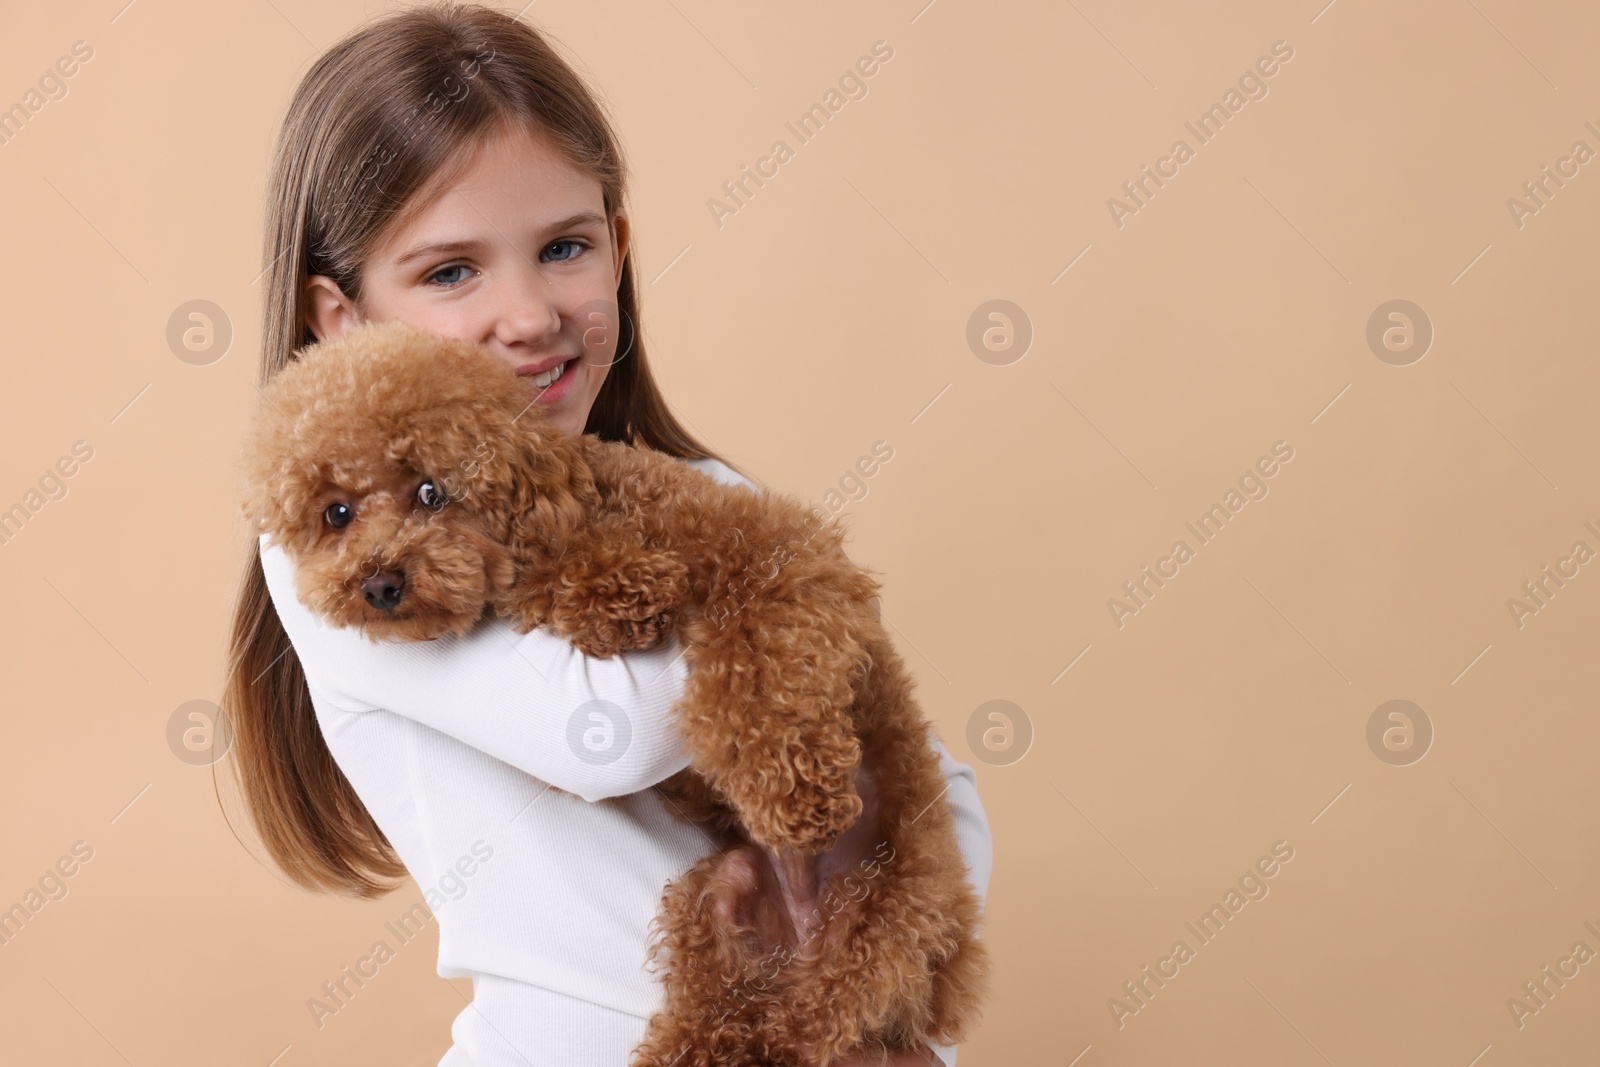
[
  {"x": 328, "y": 311},
  {"x": 620, "y": 244}
]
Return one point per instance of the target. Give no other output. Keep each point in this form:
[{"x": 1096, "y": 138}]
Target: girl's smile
[{"x": 553, "y": 381}]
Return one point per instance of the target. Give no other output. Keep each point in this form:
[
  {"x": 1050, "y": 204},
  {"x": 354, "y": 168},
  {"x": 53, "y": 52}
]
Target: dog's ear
[
  {"x": 561, "y": 496},
  {"x": 280, "y": 475},
  {"x": 499, "y": 456}
]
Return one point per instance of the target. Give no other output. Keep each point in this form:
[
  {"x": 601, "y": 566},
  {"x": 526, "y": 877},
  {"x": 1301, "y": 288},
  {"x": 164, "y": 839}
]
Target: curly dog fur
[{"x": 418, "y": 489}]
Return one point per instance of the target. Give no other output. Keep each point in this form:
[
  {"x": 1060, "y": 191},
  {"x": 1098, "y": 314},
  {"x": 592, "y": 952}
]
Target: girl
[{"x": 445, "y": 167}]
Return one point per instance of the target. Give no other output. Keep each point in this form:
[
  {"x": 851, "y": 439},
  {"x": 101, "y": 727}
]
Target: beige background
[{"x": 830, "y": 313}]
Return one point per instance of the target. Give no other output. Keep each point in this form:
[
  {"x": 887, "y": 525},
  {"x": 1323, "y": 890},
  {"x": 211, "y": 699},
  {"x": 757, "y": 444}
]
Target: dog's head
[{"x": 408, "y": 476}]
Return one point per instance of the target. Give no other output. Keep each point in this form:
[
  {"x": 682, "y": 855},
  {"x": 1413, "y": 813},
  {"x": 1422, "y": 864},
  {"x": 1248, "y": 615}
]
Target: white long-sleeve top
[{"x": 543, "y": 899}]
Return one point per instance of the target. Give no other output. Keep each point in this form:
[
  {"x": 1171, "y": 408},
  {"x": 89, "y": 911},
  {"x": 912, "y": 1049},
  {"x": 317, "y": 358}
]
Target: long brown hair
[{"x": 379, "y": 116}]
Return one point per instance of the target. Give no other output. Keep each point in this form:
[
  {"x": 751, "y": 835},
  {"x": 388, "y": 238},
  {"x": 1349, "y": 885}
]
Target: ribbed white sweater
[{"x": 543, "y": 899}]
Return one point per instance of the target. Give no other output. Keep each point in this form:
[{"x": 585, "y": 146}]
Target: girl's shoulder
[{"x": 720, "y": 471}]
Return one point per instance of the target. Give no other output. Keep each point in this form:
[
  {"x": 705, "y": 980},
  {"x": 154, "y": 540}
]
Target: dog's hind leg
[
  {"x": 724, "y": 948},
  {"x": 898, "y": 962}
]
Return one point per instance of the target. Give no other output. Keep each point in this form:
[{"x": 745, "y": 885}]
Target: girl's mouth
[{"x": 554, "y": 383}]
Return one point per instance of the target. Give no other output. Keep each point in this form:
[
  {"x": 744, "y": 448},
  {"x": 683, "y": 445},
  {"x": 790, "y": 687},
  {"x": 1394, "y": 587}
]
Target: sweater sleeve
[
  {"x": 593, "y": 727},
  {"x": 972, "y": 822},
  {"x": 972, "y": 838}
]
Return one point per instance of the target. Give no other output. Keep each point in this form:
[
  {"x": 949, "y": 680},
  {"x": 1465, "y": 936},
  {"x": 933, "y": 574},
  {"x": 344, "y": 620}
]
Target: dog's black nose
[{"x": 383, "y": 589}]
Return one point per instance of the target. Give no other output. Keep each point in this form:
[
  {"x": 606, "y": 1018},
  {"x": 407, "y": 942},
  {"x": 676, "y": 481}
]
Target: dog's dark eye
[
  {"x": 337, "y": 515},
  {"x": 430, "y": 497}
]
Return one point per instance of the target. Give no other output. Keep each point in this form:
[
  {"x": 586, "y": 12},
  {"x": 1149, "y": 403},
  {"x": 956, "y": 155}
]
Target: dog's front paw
[
  {"x": 811, "y": 819},
  {"x": 604, "y": 637},
  {"x": 814, "y": 814},
  {"x": 619, "y": 598}
]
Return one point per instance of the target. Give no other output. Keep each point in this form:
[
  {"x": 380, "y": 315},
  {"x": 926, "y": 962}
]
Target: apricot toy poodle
[{"x": 418, "y": 489}]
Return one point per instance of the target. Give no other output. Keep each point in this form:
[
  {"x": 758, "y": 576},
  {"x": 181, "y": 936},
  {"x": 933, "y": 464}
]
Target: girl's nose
[{"x": 529, "y": 313}]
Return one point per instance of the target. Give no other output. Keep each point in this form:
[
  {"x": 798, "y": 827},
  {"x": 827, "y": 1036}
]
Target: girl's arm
[
  {"x": 972, "y": 824},
  {"x": 594, "y": 727},
  {"x": 972, "y": 838}
]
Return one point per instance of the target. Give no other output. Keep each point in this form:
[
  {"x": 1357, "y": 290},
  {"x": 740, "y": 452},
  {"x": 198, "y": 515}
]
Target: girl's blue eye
[
  {"x": 576, "y": 246},
  {"x": 443, "y": 270}
]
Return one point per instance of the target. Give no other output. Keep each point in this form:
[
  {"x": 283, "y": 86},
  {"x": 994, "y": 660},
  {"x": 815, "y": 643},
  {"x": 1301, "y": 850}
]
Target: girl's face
[{"x": 516, "y": 255}]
